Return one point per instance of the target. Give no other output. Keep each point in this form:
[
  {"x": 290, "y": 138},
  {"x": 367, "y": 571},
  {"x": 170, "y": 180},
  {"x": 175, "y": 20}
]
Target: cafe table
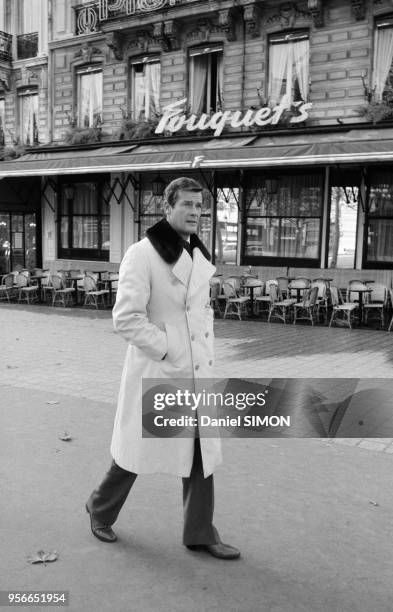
[
  {"x": 109, "y": 282},
  {"x": 360, "y": 292},
  {"x": 250, "y": 288}
]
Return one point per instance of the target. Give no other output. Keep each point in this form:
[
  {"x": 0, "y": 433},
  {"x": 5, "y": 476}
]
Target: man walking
[{"x": 162, "y": 310}]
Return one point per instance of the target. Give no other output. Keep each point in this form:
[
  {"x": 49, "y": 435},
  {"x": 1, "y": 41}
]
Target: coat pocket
[{"x": 175, "y": 343}]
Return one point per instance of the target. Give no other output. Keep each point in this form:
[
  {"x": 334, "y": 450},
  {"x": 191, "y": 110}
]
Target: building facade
[{"x": 283, "y": 110}]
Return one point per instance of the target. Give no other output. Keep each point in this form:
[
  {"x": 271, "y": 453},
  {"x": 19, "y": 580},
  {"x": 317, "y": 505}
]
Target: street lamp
[{"x": 158, "y": 186}]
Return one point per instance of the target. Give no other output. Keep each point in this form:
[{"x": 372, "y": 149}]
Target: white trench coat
[{"x": 161, "y": 308}]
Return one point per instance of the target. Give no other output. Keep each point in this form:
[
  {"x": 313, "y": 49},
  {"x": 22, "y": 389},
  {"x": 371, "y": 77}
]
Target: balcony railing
[
  {"x": 112, "y": 9},
  {"x": 27, "y": 45},
  {"x": 5, "y": 47},
  {"x": 86, "y": 17}
]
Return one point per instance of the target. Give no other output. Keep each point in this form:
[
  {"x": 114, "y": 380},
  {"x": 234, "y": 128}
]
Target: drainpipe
[
  {"x": 243, "y": 64},
  {"x": 51, "y": 100}
]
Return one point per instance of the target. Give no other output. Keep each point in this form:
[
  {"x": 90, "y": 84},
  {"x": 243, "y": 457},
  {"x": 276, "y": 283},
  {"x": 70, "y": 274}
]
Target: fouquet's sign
[{"x": 174, "y": 118}]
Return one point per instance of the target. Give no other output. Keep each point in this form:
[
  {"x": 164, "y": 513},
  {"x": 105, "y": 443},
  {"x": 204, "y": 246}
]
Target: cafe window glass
[
  {"x": 28, "y": 114},
  {"x": 89, "y": 97},
  {"x": 227, "y": 225},
  {"x": 379, "y": 247},
  {"x": 206, "y": 78},
  {"x": 84, "y": 221},
  {"x": 288, "y": 68},
  {"x": 382, "y": 82},
  {"x": 145, "y": 88},
  {"x": 284, "y": 219}
]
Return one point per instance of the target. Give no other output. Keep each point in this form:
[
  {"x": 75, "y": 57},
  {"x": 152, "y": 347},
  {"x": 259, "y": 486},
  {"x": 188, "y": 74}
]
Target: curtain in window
[
  {"x": 198, "y": 83},
  {"x": 154, "y": 77},
  {"x": 31, "y": 16},
  {"x": 279, "y": 57},
  {"x": 90, "y": 99},
  {"x": 139, "y": 91},
  {"x": 301, "y": 56},
  {"x": 28, "y": 119},
  {"x": 382, "y": 60},
  {"x": 220, "y": 79}
]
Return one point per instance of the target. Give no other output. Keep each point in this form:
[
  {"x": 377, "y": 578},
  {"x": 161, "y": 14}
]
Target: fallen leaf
[
  {"x": 373, "y": 503},
  {"x": 53, "y": 402},
  {"x": 65, "y": 437},
  {"x": 43, "y": 557}
]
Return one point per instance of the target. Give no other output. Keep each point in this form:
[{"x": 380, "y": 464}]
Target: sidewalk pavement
[{"x": 313, "y": 518}]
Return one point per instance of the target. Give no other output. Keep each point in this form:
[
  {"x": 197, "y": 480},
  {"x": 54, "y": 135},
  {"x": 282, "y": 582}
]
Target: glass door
[
  {"x": 18, "y": 241},
  {"x": 343, "y": 222},
  {"x": 5, "y": 244}
]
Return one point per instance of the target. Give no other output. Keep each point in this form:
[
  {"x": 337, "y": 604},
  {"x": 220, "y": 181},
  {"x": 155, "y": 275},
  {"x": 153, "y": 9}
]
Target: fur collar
[{"x": 169, "y": 244}]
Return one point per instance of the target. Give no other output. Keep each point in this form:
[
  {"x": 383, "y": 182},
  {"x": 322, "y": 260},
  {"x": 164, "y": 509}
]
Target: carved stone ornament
[
  {"x": 86, "y": 52},
  {"x": 172, "y": 35},
  {"x": 140, "y": 42},
  {"x": 359, "y": 9},
  {"x": 226, "y": 23},
  {"x": 251, "y": 18},
  {"x": 158, "y": 35},
  {"x": 201, "y": 33},
  {"x": 315, "y": 8},
  {"x": 5, "y": 82},
  {"x": 114, "y": 41}
]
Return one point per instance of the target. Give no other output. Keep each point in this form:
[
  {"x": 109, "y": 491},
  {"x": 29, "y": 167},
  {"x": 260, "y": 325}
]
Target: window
[
  {"x": 84, "y": 221},
  {"x": 379, "y": 247},
  {"x": 145, "y": 88},
  {"x": 29, "y": 28},
  {"x": 383, "y": 56},
  {"x": 227, "y": 224},
  {"x": 2, "y": 121},
  {"x": 89, "y": 97},
  {"x": 284, "y": 219},
  {"x": 28, "y": 114},
  {"x": 206, "y": 78},
  {"x": 288, "y": 68}
]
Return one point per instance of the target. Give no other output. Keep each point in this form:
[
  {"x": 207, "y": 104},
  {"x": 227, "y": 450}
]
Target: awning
[{"x": 249, "y": 151}]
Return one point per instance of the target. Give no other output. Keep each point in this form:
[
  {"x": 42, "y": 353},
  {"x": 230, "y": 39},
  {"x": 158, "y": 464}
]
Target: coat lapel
[
  {"x": 201, "y": 273},
  {"x": 182, "y": 268}
]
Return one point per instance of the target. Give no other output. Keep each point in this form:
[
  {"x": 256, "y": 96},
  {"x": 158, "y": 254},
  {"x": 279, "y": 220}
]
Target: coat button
[
  {"x": 210, "y": 363},
  {"x": 197, "y": 367},
  {"x": 207, "y": 335}
]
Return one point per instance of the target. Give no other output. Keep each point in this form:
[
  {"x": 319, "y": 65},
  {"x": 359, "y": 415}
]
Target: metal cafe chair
[
  {"x": 376, "y": 303},
  {"x": 279, "y": 308},
  {"x": 341, "y": 310},
  {"x": 92, "y": 294},
  {"x": 26, "y": 292},
  {"x": 7, "y": 288},
  {"x": 60, "y": 291},
  {"x": 283, "y": 283},
  {"x": 264, "y": 300},
  {"x": 308, "y": 307},
  {"x": 235, "y": 304},
  {"x": 322, "y": 298}
]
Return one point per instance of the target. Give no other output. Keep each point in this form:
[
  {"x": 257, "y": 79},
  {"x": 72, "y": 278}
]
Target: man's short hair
[{"x": 180, "y": 184}]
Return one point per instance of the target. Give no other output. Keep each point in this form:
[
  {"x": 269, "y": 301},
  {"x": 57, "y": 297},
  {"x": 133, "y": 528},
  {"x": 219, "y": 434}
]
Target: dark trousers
[{"x": 107, "y": 500}]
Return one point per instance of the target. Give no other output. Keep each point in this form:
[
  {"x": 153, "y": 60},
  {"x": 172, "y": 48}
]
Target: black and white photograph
[{"x": 196, "y": 305}]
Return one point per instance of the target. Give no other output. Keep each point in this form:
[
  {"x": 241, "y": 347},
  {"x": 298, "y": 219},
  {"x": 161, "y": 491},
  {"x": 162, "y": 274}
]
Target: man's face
[{"x": 184, "y": 216}]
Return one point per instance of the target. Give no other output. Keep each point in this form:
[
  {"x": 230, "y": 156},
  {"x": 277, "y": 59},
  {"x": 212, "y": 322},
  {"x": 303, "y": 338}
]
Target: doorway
[
  {"x": 342, "y": 226},
  {"x": 18, "y": 241}
]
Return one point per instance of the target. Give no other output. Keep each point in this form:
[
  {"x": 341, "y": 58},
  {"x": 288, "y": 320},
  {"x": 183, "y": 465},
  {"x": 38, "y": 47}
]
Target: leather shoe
[
  {"x": 219, "y": 550},
  {"x": 100, "y": 530}
]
